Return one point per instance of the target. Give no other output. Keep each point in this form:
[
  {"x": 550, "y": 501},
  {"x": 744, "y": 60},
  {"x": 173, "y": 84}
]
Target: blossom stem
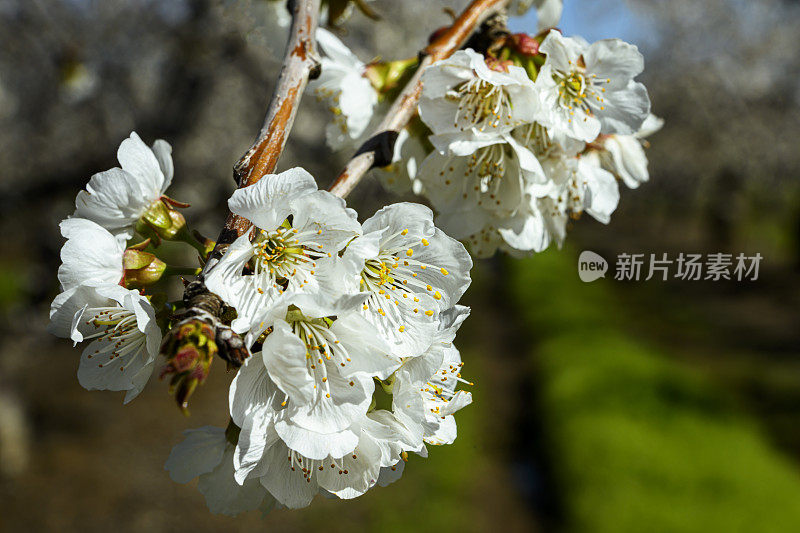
[
  {"x": 187, "y": 237},
  {"x": 378, "y": 149}
]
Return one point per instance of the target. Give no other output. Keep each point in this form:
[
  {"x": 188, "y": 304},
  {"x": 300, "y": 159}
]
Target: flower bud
[
  {"x": 163, "y": 221},
  {"x": 524, "y": 44},
  {"x": 141, "y": 268},
  {"x": 387, "y": 76},
  {"x": 189, "y": 350},
  {"x": 157, "y": 215}
]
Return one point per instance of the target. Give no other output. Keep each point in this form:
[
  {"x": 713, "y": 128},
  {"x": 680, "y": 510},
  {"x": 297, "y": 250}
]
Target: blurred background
[{"x": 612, "y": 406}]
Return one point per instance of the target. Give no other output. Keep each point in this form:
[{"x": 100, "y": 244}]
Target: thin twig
[{"x": 378, "y": 149}]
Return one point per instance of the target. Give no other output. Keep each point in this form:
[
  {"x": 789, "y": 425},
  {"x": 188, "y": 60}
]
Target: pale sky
[{"x": 594, "y": 20}]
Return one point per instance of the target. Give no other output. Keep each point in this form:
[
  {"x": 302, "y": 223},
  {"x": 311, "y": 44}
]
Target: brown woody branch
[
  {"x": 203, "y": 308},
  {"x": 377, "y": 151},
  {"x": 300, "y": 63}
]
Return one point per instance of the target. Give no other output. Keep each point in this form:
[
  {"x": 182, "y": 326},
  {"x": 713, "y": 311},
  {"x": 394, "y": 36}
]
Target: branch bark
[
  {"x": 203, "y": 308},
  {"x": 378, "y": 149},
  {"x": 300, "y": 63}
]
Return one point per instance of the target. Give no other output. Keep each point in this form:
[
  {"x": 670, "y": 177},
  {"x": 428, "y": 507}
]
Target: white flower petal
[
  {"x": 113, "y": 200},
  {"x": 163, "y": 152},
  {"x": 602, "y": 191},
  {"x": 255, "y": 438},
  {"x": 316, "y": 445},
  {"x": 266, "y": 203},
  {"x": 625, "y": 110},
  {"x": 138, "y": 160},
  {"x": 335, "y": 49},
  {"x": 334, "y": 414},
  {"x": 370, "y": 353},
  {"x": 616, "y": 60},
  {"x": 284, "y": 356},
  {"x": 285, "y": 480},
  {"x": 253, "y": 398},
  {"x": 390, "y": 474},
  {"x": 362, "y": 467},
  {"x": 67, "y": 311},
  {"x": 91, "y": 255}
]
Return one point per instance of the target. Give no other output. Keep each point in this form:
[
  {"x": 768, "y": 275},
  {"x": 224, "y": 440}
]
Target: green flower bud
[
  {"x": 141, "y": 268},
  {"x": 163, "y": 221},
  {"x": 388, "y": 77}
]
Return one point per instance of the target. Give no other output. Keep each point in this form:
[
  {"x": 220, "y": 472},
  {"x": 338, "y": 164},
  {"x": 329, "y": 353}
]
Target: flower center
[
  {"x": 280, "y": 254},
  {"x": 375, "y": 272},
  {"x": 396, "y": 277},
  {"x": 117, "y": 334},
  {"x": 322, "y": 348},
  {"x": 535, "y": 137},
  {"x": 333, "y": 95},
  {"x": 481, "y": 105},
  {"x": 488, "y": 166},
  {"x": 274, "y": 251},
  {"x": 579, "y": 91}
]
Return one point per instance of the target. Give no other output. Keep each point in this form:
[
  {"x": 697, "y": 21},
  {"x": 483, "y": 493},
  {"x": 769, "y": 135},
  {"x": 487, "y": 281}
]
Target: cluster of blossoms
[
  {"x": 349, "y": 327},
  {"x": 514, "y": 141},
  {"x": 345, "y": 330},
  {"x": 101, "y": 280}
]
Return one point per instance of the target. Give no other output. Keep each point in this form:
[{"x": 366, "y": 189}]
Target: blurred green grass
[
  {"x": 11, "y": 285},
  {"x": 639, "y": 441}
]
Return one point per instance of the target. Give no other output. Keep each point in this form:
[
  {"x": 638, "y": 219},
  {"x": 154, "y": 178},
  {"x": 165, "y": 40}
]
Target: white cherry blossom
[
  {"x": 588, "y": 89},
  {"x": 121, "y": 327},
  {"x": 297, "y": 235},
  {"x": 476, "y": 180},
  {"x": 462, "y": 94},
  {"x": 411, "y": 271},
  {"x": 116, "y": 199},
  {"x": 346, "y": 466},
  {"x": 579, "y": 184},
  {"x": 294, "y": 479},
  {"x": 424, "y": 395},
  {"x": 528, "y": 230},
  {"x": 312, "y": 381},
  {"x": 350, "y": 95}
]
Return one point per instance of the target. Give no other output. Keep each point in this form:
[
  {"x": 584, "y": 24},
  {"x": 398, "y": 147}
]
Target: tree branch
[
  {"x": 202, "y": 317},
  {"x": 379, "y": 148},
  {"x": 300, "y": 63}
]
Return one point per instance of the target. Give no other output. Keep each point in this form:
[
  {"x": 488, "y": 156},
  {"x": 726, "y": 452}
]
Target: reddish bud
[
  {"x": 190, "y": 350},
  {"x": 524, "y": 44}
]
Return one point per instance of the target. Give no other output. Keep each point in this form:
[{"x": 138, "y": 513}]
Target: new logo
[{"x": 591, "y": 266}]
